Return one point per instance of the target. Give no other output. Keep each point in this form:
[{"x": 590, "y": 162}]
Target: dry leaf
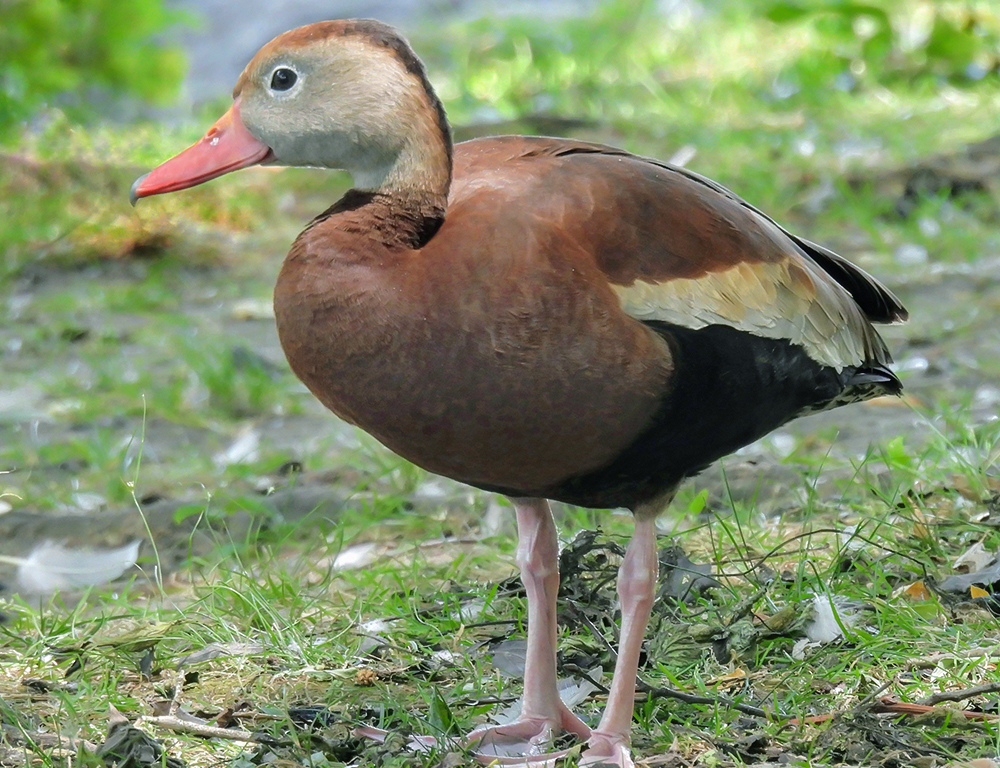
[
  {"x": 737, "y": 677},
  {"x": 917, "y": 591}
]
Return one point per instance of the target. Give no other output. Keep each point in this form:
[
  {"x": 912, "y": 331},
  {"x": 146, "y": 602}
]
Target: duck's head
[{"x": 336, "y": 94}]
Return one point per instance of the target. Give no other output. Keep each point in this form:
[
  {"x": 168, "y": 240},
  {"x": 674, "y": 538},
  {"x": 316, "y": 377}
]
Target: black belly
[{"x": 730, "y": 388}]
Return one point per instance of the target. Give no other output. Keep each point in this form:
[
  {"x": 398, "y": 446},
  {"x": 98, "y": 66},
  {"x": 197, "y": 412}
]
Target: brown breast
[{"x": 496, "y": 355}]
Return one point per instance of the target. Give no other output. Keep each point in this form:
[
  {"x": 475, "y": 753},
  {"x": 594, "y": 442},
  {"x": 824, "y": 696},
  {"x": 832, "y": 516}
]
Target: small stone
[
  {"x": 910, "y": 254},
  {"x": 929, "y": 227}
]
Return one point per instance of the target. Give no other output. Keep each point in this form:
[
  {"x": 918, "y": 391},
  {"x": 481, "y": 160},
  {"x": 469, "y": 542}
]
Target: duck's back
[{"x": 584, "y": 324}]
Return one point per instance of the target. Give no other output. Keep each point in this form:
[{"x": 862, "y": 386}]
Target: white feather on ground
[
  {"x": 830, "y": 616},
  {"x": 51, "y": 567}
]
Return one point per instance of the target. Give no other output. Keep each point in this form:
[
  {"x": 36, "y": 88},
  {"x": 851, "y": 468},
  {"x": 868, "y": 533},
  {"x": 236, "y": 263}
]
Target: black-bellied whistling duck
[{"x": 542, "y": 318}]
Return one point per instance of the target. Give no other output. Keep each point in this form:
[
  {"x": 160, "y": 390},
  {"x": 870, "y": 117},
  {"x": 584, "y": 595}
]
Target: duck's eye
[{"x": 283, "y": 79}]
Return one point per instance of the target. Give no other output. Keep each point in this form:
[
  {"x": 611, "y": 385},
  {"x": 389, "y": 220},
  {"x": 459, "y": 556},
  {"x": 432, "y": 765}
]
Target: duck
[{"x": 542, "y": 318}]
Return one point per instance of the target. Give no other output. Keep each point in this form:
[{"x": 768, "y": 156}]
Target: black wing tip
[
  {"x": 900, "y": 314},
  {"x": 878, "y": 303},
  {"x": 886, "y": 308}
]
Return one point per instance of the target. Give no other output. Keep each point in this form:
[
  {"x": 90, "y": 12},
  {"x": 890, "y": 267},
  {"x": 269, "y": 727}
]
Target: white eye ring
[{"x": 283, "y": 80}]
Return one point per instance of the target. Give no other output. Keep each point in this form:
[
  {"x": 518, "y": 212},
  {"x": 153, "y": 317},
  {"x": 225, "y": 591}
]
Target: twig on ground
[
  {"x": 472, "y": 701},
  {"x": 895, "y": 706},
  {"x": 690, "y": 698},
  {"x": 962, "y": 695},
  {"x": 670, "y": 693},
  {"x": 179, "y": 725},
  {"x": 17, "y": 736},
  {"x": 259, "y": 717},
  {"x": 180, "y": 722},
  {"x": 599, "y": 636},
  {"x": 865, "y": 703},
  {"x": 889, "y": 705}
]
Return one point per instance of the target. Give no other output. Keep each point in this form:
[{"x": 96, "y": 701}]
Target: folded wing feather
[{"x": 793, "y": 299}]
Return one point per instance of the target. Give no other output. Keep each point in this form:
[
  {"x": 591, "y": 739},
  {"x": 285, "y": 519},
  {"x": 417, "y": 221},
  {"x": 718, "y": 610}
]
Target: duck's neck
[
  {"x": 421, "y": 170},
  {"x": 401, "y": 208}
]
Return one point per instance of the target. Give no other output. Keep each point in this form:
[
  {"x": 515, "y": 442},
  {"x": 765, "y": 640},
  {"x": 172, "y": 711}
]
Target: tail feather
[
  {"x": 877, "y": 376},
  {"x": 860, "y": 384}
]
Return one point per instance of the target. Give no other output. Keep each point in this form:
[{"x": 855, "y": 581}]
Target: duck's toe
[
  {"x": 527, "y": 739},
  {"x": 606, "y": 751}
]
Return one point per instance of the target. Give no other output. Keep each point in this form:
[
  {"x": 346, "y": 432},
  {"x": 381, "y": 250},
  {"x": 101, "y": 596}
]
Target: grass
[{"x": 327, "y": 573}]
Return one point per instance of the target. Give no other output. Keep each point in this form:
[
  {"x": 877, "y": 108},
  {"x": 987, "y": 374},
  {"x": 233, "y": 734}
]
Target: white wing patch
[{"x": 792, "y": 300}]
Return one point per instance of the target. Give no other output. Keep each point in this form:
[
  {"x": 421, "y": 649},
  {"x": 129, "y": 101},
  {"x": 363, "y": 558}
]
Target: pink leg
[
  {"x": 542, "y": 712},
  {"x": 609, "y": 742}
]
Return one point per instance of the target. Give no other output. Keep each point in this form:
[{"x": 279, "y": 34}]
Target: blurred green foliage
[
  {"x": 59, "y": 48},
  {"x": 628, "y": 60},
  {"x": 886, "y": 40},
  {"x": 581, "y": 66}
]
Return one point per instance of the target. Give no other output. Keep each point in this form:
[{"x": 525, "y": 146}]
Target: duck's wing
[
  {"x": 678, "y": 248},
  {"x": 877, "y": 302}
]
